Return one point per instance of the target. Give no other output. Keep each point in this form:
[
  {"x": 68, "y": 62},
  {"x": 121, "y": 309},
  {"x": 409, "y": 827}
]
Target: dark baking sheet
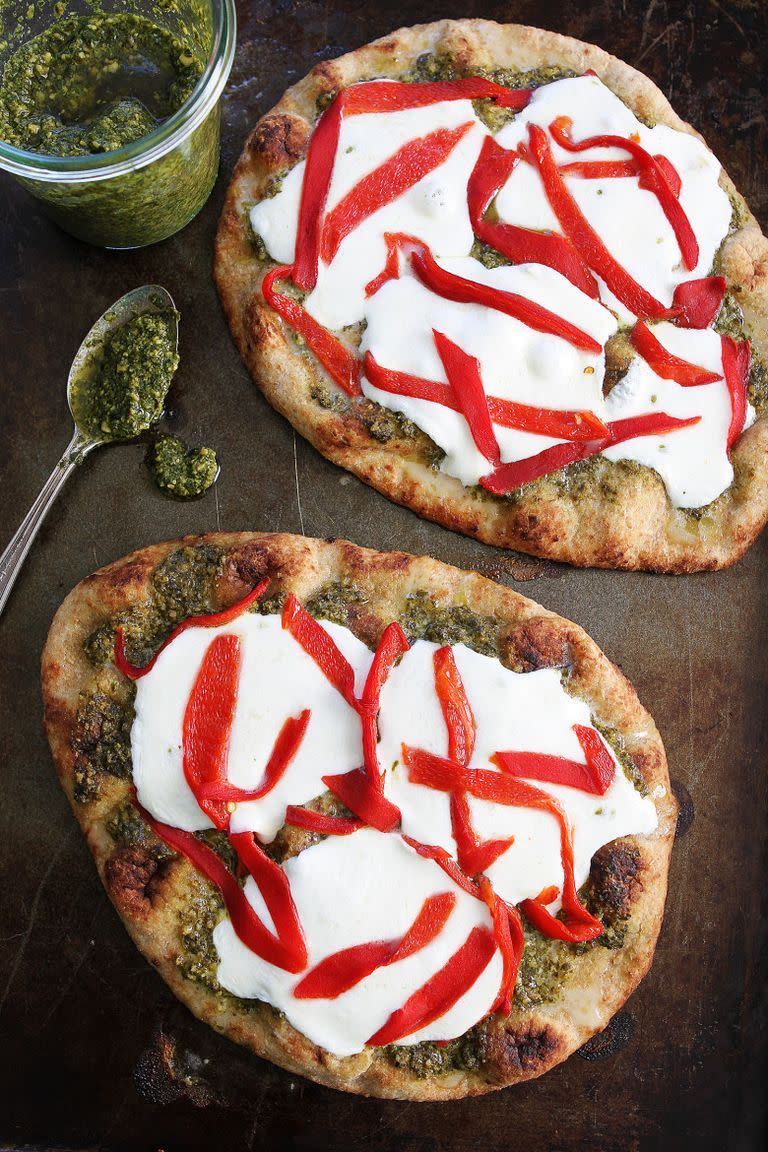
[{"x": 94, "y": 1051}]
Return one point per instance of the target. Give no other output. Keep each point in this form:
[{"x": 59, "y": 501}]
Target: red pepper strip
[
  {"x": 452, "y": 287},
  {"x": 653, "y": 177},
  {"x": 474, "y": 857},
  {"x": 664, "y": 363},
  {"x": 696, "y": 303},
  {"x": 563, "y": 424},
  {"x": 510, "y": 940},
  {"x": 581, "y": 233},
  {"x": 463, "y": 372},
  {"x": 340, "y": 364},
  {"x": 595, "y": 776},
  {"x": 319, "y": 646},
  {"x": 443, "y": 775},
  {"x": 286, "y": 746},
  {"x": 392, "y": 645},
  {"x": 342, "y": 970},
  {"x": 610, "y": 169},
  {"x": 517, "y": 472},
  {"x": 288, "y": 953},
  {"x": 547, "y": 895},
  {"x": 364, "y": 799},
  {"x": 446, "y": 862},
  {"x": 275, "y": 888},
  {"x": 391, "y": 269},
  {"x": 441, "y": 991},
  {"x": 319, "y": 822},
  {"x": 520, "y": 245},
  {"x": 391, "y": 179},
  {"x": 736, "y": 360},
  {"x": 393, "y": 96},
  {"x": 212, "y": 620},
  {"x": 321, "y": 156},
  {"x": 207, "y": 723}
]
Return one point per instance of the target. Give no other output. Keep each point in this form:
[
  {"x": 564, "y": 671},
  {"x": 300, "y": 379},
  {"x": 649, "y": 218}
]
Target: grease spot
[
  {"x": 686, "y": 810},
  {"x": 615, "y": 1036}
]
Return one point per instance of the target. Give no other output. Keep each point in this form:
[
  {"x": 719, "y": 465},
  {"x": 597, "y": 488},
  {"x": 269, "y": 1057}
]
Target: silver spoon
[{"x": 150, "y": 298}]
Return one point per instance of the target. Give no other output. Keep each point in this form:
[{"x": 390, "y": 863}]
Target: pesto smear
[
  {"x": 91, "y": 84},
  {"x": 125, "y": 394},
  {"x": 182, "y": 471}
]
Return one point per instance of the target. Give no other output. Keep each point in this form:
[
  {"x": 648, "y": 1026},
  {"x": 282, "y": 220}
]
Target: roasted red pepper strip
[
  {"x": 443, "y": 775},
  {"x": 207, "y": 723},
  {"x": 664, "y": 363},
  {"x": 445, "y": 861},
  {"x": 463, "y": 372},
  {"x": 391, "y": 269},
  {"x": 696, "y": 303},
  {"x": 564, "y": 424},
  {"x": 452, "y": 287},
  {"x": 274, "y": 887},
  {"x": 319, "y": 822},
  {"x": 594, "y": 777},
  {"x": 391, "y": 179},
  {"x": 393, "y": 96},
  {"x": 342, "y": 970},
  {"x": 520, "y": 245},
  {"x": 653, "y": 176},
  {"x": 285, "y": 748},
  {"x": 474, "y": 857},
  {"x": 287, "y": 952},
  {"x": 510, "y": 940},
  {"x": 581, "y": 233},
  {"x": 547, "y": 895},
  {"x": 338, "y": 361},
  {"x": 517, "y": 472},
  {"x": 212, "y": 620},
  {"x": 391, "y": 647},
  {"x": 321, "y": 156},
  {"x": 364, "y": 799},
  {"x": 736, "y": 360},
  {"x": 319, "y": 646},
  {"x": 610, "y": 169},
  {"x": 442, "y": 991}
]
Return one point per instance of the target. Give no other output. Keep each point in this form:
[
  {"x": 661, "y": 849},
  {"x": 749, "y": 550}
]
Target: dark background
[{"x": 94, "y": 1051}]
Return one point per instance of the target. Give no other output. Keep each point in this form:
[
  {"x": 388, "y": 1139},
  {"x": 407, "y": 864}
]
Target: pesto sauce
[
  {"x": 334, "y": 600},
  {"x": 453, "y": 624},
  {"x": 91, "y": 84},
  {"x": 101, "y": 742},
  {"x": 430, "y": 1059},
  {"x": 183, "y": 472},
  {"x": 125, "y": 394},
  {"x": 731, "y": 322}
]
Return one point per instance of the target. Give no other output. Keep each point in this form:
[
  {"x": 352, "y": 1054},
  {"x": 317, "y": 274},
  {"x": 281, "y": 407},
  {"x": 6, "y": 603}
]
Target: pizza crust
[
  {"x": 150, "y": 896},
  {"x": 631, "y": 524}
]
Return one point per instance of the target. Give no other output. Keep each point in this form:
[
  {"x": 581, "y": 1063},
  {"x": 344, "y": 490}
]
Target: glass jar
[{"x": 147, "y": 190}]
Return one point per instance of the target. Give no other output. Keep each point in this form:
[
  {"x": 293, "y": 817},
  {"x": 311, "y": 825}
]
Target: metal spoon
[{"x": 150, "y": 298}]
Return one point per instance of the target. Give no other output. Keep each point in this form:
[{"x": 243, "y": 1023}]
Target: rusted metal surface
[{"x": 94, "y": 1051}]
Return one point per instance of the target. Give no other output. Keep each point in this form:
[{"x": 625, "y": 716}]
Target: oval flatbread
[
  {"x": 512, "y": 290},
  {"x": 388, "y": 824}
]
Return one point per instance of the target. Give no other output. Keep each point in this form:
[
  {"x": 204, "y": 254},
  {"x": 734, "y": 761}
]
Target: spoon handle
[{"x": 14, "y": 555}]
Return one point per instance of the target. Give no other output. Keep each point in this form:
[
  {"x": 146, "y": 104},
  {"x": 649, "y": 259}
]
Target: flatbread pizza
[
  {"x": 490, "y": 271},
  {"x": 390, "y": 825}
]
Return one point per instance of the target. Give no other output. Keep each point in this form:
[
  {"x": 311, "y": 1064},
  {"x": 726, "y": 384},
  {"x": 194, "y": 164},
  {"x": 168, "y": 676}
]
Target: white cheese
[
  {"x": 514, "y": 712},
  {"x": 351, "y": 890},
  {"x": 277, "y": 680}
]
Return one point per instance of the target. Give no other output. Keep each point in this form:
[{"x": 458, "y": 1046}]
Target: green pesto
[
  {"x": 487, "y": 256},
  {"x": 129, "y": 830},
  {"x": 544, "y": 966},
  {"x": 198, "y": 959},
  {"x": 453, "y": 624},
  {"x": 101, "y": 742},
  {"x": 126, "y": 393},
  {"x": 333, "y": 601},
  {"x": 91, "y": 84},
  {"x": 182, "y": 471},
  {"x": 430, "y": 1059},
  {"x": 731, "y": 322},
  {"x": 495, "y": 117},
  {"x": 613, "y": 737}
]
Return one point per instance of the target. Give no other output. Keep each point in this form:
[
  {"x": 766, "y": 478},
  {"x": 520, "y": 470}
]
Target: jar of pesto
[{"x": 109, "y": 110}]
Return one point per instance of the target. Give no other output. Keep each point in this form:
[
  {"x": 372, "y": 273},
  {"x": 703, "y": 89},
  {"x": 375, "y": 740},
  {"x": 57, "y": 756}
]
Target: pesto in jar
[
  {"x": 125, "y": 394},
  {"x": 91, "y": 84},
  {"x": 181, "y": 471}
]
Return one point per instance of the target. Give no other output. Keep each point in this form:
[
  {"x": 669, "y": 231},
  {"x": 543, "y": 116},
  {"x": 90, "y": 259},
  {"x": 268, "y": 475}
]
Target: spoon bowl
[{"x": 85, "y": 366}]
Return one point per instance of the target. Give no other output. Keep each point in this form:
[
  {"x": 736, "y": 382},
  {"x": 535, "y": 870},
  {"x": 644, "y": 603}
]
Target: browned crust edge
[
  {"x": 637, "y": 528},
  {"x": 149, "y": 898}
]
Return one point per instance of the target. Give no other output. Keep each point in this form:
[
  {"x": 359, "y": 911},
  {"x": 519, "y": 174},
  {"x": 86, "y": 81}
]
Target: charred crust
[
  {"x": 132, "y": 877},
  {"x": 516, "y": 1050},
  {"x": 615, "y": 878},
  {"x": 537, "y": 643},
  {"x": 279, "y": 140}
]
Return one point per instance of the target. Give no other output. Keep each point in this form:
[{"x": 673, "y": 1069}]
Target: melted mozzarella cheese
[
  {"x": 277, "y": 680},
  {"x": 692, "y": 462},
  {"x": 351, "y": 890},
  {"x": 628, "y": 219},
  {"x": 513, "y": 712},
  {"x": 516, "y": 362}
]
